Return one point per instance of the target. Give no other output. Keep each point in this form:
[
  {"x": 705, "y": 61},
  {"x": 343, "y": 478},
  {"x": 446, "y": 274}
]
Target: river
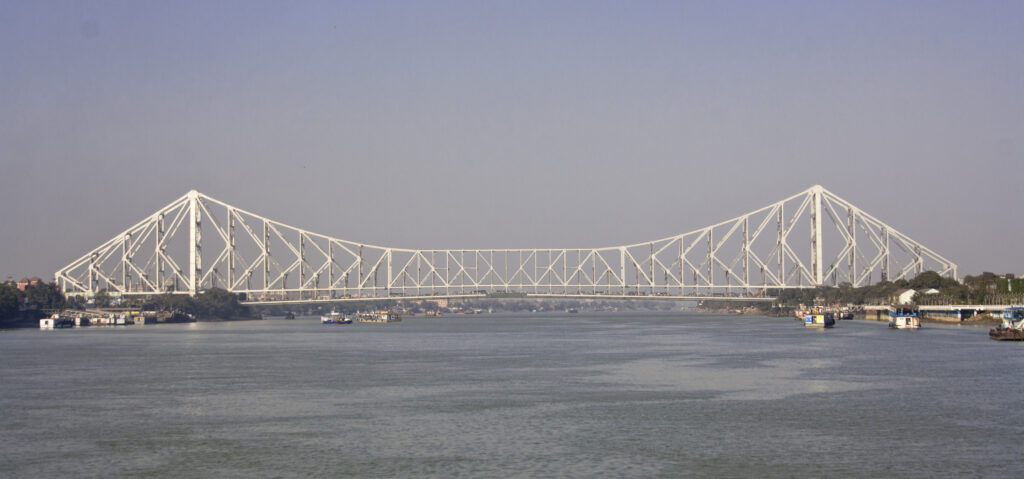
[{"x": 580, "y": 395}]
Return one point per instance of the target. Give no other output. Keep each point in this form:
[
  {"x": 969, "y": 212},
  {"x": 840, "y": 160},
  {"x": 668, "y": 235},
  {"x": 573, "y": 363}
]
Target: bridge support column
[
  {"x": 195, "y": 259},
  {"x": 816, "y": 256}
]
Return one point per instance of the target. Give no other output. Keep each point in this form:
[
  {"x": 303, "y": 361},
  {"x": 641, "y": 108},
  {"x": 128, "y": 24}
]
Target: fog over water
[{"x": 510, "y": 124}]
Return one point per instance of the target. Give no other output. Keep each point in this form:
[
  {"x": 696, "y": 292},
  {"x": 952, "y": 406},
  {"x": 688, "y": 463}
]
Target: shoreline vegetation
[
  {"x": 931, "y": 289},
  {"x": 23, "y": 308}
]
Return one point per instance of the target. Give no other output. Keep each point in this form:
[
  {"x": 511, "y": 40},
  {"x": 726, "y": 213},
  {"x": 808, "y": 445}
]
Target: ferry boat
[
  {"x": 1012, "y": 327},
  {"x": 379, "y": 317},
  {"x": 820, "y": 318},
  {"x": 55, "y": 322},
  {"x": 904, "y": 318},
  {"x": 335, "y": 317}
]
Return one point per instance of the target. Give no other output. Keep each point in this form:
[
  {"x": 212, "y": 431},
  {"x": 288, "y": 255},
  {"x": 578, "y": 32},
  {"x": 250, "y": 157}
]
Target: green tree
[
  {"x": 219, "y": 303},
  {"x": 102, "y": 299},
  {"x": 45, "y": 296},
  {"x": 927, "y": 279},
  {"x": 10, "y": 298}
]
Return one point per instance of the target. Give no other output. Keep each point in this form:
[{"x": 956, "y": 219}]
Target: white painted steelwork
[{"x": 747, "y": 256}]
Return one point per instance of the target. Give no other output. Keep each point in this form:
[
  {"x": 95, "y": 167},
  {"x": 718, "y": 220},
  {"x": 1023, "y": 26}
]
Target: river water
[{"x": 645, "y": 395}]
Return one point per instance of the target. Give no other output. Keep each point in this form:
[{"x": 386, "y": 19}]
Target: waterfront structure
[{"x": 197, "y": 242}]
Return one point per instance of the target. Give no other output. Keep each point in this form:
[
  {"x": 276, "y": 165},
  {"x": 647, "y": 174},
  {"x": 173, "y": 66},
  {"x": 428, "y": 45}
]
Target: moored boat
[
  {"x": 335, "y": 317},
  {"x": 55, "y": 322},
  {"x": 379, "y": 317},
  {"x": 1012, "y": 327},
  {"x": 819, "y": 318},
  {"x": 904, "y": 318},
  {"x": 289, "y": 315}
]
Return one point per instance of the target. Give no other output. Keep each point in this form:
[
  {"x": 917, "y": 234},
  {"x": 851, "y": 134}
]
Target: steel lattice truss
[{"x": 809, "y": 239}]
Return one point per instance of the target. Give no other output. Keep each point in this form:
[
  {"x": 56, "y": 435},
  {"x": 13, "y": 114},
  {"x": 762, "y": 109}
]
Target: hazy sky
[{"x": 480, "y": 124}]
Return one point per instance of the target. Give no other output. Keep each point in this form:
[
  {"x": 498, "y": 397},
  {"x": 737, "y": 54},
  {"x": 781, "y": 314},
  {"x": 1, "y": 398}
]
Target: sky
[{"x": 493, "y": 124}]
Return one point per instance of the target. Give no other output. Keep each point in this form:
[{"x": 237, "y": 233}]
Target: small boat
[
  {"x": 1012, "y": 327},
  {"x": 904, "y": 318},
  {"x": 289, "y": 315},
  {"x": 820, "y": 318},
  {"x": 335, "y": 317},
  {"x": 844, "y": 313},
  {"x": 55, "y": 322},
  {"x": 379, "y": 317}
]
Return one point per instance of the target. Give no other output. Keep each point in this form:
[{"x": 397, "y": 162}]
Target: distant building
[
  {"x": 906, "y": 296},
  {"x": 26, "y": 282},
  {"x": 441, "y": 303}
]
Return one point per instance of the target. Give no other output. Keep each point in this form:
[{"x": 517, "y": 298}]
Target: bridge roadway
[{"x": 643, "y": 296}]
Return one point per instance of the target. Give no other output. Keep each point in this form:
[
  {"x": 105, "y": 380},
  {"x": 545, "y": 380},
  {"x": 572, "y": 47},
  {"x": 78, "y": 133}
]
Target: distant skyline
[{"x": 510, "y": 124}]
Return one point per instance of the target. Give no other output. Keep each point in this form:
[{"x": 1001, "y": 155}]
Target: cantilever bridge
[{"x": 196, "y": 242}]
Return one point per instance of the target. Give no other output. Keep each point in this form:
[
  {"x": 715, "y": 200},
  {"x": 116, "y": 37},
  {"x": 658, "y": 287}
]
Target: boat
[
  {"x": 1012, "y": 327},
  {"x": 55, "y": 322},
  {"x": 289, "y": 315},
  {"x": 844, "y": 313},
  {"x": 379, "y": 317},
  {"x": 335, "y": 317},
  {"x": 904, "y": 318},
  {"x": 819, "y": 318}
]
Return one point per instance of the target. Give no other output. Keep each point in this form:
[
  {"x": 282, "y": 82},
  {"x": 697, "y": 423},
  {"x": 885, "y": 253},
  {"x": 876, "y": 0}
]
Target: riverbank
[
  {"x": 161, "y": 317},
  {"x": 984, "y": 319}
]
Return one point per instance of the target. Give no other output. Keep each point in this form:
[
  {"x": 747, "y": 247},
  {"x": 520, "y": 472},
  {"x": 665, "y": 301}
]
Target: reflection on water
[
  {"x": 776, "y": 379},
  {"x": 515, "y": 396}
]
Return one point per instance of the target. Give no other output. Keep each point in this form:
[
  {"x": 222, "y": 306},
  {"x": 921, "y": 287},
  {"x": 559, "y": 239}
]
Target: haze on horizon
[{"x": 510, "y": 124}]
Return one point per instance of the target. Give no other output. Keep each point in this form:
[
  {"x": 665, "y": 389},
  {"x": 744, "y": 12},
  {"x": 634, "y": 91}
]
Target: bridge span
[{"x": 196, "y": 242}]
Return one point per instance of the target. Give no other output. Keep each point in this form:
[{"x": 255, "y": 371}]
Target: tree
[
  {"x": 10, "y": 298},
  {"x": 219, "y": 303},
  {"x": 102, "y": 299},
  {"x": 45, "y": 296},
  {"x": 925, "y": 280}
]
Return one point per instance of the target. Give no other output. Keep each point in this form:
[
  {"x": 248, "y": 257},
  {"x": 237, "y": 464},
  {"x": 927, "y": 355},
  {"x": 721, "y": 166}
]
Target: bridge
[{"x": 196, "y": 242}]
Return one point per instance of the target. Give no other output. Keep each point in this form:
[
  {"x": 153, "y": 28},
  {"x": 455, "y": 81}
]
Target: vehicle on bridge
[{"x": 1012, "y": 327}]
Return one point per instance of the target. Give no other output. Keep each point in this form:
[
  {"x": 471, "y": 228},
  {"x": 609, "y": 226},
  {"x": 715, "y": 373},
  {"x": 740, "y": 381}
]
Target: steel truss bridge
[{"x": 196, "y": 242}]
